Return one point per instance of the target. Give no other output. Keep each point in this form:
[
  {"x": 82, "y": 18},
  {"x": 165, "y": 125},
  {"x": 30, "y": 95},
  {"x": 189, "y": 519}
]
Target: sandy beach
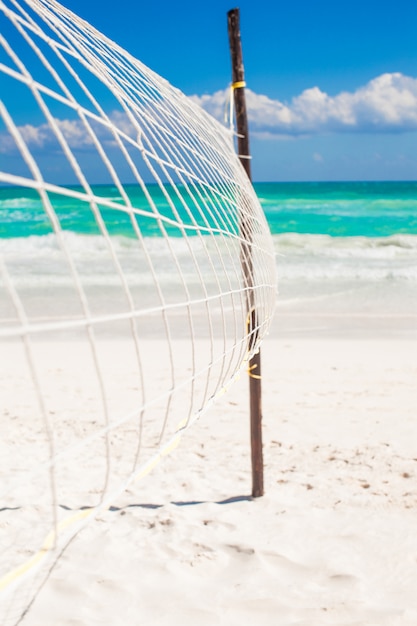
[
  {"x": 139, "y": 271},
  {"x": 333, "y": 540}
]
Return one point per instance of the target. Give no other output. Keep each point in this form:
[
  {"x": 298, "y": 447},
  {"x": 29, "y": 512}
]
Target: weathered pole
[{"x": 255, "y": 390}]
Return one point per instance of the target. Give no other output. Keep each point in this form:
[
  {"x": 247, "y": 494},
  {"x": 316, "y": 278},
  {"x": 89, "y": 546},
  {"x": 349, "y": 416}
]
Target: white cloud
[
  {"x": 33, "y": 135},
  {"x": 42, "y": 136},
  {"x": 387, "y": 103},
  {"x": 74, "y": 131}
]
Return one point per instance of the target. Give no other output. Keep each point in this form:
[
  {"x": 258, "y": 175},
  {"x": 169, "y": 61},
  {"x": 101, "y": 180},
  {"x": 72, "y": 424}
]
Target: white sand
[{"x": 332, "y": 542}]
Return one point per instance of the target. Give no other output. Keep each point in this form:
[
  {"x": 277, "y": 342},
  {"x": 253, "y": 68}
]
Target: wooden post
[{"x": 238, "y": 86}]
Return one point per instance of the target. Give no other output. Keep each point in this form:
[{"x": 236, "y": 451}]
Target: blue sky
[{"x": 332, "y": 85}]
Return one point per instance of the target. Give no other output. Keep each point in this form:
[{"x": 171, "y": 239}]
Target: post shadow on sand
[{"x": 150, "y": 505}]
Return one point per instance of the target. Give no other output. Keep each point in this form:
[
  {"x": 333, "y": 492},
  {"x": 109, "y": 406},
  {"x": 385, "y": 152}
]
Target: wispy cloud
[
  {"x": 75, "y": 132},
  {"x": 387, "y": 103}
]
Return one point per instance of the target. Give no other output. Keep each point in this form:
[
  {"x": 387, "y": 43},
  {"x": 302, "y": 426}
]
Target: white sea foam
[
  {"x": 23, "y": 203},
  {"x": 320, "y": 257},
  {"x": 39, "y": 259},
  {"x": 344, "y": 247}
]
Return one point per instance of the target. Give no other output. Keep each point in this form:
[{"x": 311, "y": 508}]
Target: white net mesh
[{"x": 154, "y": 262}]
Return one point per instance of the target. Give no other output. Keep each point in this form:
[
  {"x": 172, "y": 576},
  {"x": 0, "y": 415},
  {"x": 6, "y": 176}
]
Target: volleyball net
[{"x": 121, "y": 212}]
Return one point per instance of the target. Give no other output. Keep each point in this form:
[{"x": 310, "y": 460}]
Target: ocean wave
[
  {"x": 404, "y": 246},
  {"x": 298, "y": 258},
  {"x": 297, "y": 243},
  {"x": 322, "y": 257},
  {"x": 93, "y": 245},
  {"x": 22, "y": 202},
  {"x": 342, "y": 273},
  {"x": 40, "y": 260}
]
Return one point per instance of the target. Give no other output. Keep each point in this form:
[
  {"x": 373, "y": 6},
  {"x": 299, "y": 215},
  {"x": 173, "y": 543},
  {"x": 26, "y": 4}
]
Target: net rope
[{"x": 124, "y": 311}]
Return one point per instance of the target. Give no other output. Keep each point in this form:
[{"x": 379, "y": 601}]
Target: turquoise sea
[
  {"x": 366, "y": 209},
  {"x": 339, "y": 246},
  {"x": 370, "y": 226}
]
